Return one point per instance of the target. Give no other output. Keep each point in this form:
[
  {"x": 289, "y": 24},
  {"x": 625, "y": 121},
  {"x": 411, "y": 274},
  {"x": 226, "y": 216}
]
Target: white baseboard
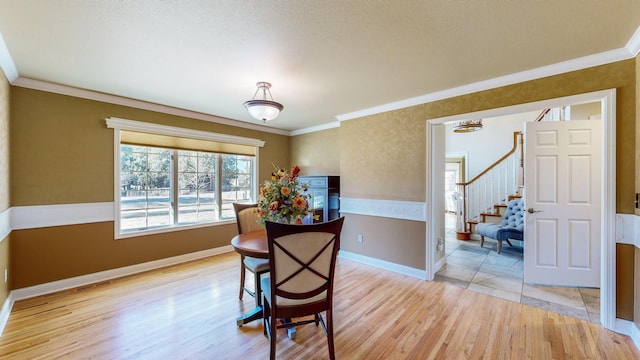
[
  {"x": 386, "y": 265},
  {"x": 54, "y": 286},
  {"x": 628, "y": 328},
  {"x": 635, "y": 335},
  {"x": 6, "y": 311}
]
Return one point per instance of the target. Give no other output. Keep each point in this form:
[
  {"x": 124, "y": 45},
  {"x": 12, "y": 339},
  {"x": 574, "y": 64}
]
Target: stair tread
[{"x": 490, "y": 214}]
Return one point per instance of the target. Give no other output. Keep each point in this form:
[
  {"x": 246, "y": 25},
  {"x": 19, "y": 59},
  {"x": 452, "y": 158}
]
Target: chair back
[
  {"x": 302, "y": 261},
  {"x": 514, "y": 215},
  {"x": 247, "y": 217}
]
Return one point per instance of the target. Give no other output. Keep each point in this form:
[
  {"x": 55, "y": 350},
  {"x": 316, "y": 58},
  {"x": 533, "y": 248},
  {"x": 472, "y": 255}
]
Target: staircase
[{"x": 486, "y": 196}]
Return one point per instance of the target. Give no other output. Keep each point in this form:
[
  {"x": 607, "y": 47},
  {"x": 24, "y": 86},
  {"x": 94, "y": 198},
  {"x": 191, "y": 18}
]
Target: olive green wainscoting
[
  {"x": 5, "y": 265},
  {"x": 48, "y": 254},
  {"x": 393, "y": 240}
]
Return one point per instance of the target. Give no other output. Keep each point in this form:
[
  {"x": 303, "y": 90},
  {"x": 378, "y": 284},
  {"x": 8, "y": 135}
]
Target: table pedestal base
[{"x": 254, "y": 314}]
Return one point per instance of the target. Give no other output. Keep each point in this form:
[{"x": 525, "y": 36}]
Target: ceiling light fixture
[
  {"x": 264, "y": 109},
  {"x": 468, "y": 126}
]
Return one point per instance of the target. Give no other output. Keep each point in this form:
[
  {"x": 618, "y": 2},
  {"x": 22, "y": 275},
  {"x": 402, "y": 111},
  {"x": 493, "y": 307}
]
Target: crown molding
[
  {"x": 527, "y": 75},
  {"x": 331, "y": 125},
  {"x": 633, "y": 46},
  {"x": 6, "y": 62},
  {"x": 138, "y": 104}
]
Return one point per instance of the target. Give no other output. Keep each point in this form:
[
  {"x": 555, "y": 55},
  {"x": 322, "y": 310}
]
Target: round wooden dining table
[{"x": 252, "y": 244}]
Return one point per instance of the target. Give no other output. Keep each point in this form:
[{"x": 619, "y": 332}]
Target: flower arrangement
[{"x": 282, "y": 198}]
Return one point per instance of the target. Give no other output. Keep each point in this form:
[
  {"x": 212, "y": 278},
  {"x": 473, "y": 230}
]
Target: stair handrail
[{"x": 461, "y": 226}]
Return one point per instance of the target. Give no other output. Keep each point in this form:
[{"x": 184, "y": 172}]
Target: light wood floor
[{"x": 189, "y": 311}]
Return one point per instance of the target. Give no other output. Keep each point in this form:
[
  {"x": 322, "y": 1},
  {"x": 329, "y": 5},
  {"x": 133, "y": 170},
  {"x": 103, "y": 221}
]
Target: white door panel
[{"x": 562, "y": 235}]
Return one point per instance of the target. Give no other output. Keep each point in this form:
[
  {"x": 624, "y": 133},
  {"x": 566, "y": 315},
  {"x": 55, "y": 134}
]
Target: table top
[{"x": 252, "y": 244}]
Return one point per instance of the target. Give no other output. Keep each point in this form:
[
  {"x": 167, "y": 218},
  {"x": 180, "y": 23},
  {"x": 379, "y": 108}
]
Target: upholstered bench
[{"x": 511, "y": 226}]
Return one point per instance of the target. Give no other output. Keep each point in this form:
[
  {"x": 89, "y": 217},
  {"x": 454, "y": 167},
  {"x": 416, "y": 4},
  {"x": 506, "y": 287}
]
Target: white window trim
[{"x": 118, "y": 124}]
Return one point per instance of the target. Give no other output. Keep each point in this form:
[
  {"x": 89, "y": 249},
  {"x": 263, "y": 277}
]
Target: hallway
[{"x": 482, "y": 269}]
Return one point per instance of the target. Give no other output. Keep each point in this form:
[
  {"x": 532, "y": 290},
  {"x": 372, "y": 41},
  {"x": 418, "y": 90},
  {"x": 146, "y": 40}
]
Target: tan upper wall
[
  {"x": 317, "y": 153},
  {"x": 62, "y": 150},
  {"x": 5, "y": 95},
  {"x": 4, "y": 142}
]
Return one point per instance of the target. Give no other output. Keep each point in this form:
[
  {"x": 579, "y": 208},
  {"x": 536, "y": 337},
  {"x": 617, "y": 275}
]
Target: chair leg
[
  {"x": 265, "y": 318},
  {"x": 242, "y": 274},
  {"x": 509, "y": 242},
  {"x": 273, "y": 336},
  {"x": 329, "y": 330},
  {"x": 499, "y": 246},
  {"x": 481, "y": 240},
  {"x": 257, "y": 278}
]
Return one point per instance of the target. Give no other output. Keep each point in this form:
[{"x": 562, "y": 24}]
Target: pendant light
[{"x": 263, "y": 109}]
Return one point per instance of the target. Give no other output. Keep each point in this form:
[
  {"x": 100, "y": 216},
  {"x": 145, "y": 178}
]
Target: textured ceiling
[{"x": 324, "y": 58}]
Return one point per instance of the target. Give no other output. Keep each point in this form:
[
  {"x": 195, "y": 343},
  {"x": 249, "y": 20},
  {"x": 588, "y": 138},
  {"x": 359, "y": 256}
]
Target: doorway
[{"x": 607, "y": 188}]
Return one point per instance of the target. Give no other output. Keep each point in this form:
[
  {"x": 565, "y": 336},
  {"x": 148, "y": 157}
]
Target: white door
[{"x": 562, "y": 197}]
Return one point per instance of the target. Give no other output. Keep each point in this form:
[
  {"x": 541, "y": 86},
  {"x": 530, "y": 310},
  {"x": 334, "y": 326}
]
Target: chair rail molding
[
  {"x": 628, "y": 229},
  {"x": 396, "y": 209},
  {"x": 5, "y": 224},
  {"x": 38, "y": 216}
]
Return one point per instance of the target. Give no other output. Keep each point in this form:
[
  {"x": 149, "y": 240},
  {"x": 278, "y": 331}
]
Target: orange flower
[
  {"x": 285, "y": 190},
  {"x": 300, "y": 203},
  {"x": 273, "y": 206}
]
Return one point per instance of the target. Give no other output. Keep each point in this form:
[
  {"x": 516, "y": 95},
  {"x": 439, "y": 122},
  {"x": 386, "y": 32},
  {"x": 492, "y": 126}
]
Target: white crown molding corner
[
  {"x": 64, "y": 284},
  {"x": 628, "y": 229},
  {"x": 633, "y": 46},
  {"x": 385, "y": 265},
  {"x": 331, "y": 125},
  {"x": 138, "y": 104},
  {"x": 38, "y": 216},
  {"x": 6, "y": 62},
  {"x": 405, "y": 210},
  {"x": 527, "y": 75}
]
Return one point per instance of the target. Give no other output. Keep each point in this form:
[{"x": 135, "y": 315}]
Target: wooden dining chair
[
  {"x": 247, "y": 220},
  {"x": 302, "y": 261}
]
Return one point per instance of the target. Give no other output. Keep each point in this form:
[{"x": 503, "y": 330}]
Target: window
[{"x": 171, "y": 182}]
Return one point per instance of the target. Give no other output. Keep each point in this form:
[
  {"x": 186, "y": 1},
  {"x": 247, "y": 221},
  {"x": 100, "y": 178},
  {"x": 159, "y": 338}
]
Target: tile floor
[{"x": 483, "y": 270}]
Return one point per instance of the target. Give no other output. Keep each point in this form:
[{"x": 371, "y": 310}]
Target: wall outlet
[
  {"x": 359, "y": 238},
  {"x": 440, "y": 243}
]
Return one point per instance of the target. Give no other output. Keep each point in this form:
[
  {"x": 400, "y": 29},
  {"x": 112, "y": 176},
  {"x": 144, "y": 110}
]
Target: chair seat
[
  {"x": 266, "y": 290},
  {"x": 499, "y": 232},
  {"x": 256, "y": 265}
]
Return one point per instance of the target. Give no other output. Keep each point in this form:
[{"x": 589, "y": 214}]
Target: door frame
[{"x": 607, "y": 98}]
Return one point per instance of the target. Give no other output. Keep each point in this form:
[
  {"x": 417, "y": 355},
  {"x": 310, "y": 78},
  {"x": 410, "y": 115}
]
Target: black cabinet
[{"x": 325, "y": 197}]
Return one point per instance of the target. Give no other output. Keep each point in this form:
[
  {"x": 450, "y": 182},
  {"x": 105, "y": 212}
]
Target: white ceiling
[{"x": 326, "y": 59}]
